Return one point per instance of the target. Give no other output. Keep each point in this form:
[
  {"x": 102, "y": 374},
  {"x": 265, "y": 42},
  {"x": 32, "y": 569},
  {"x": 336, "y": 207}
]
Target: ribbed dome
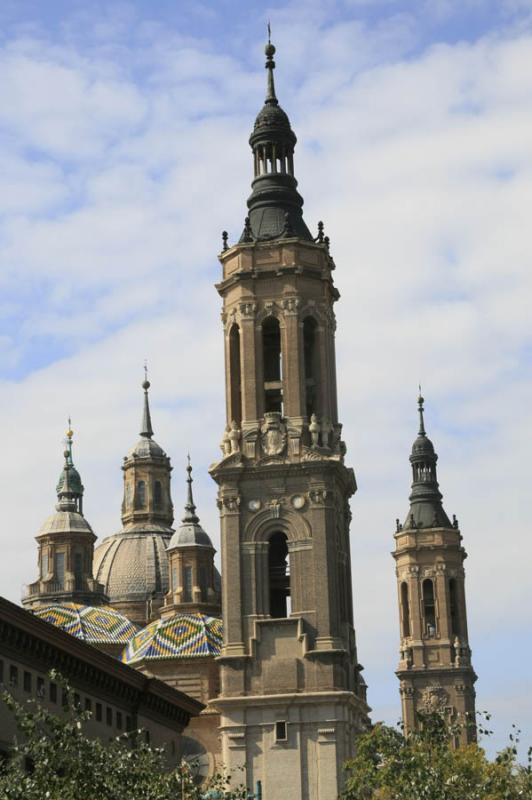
[
  {"x": 90, "y": 623},
  {"x": 180, "y": 636},
  {"x": 133, "y": 565},
  {"x": 69, "y": 481},
  {"x": 65, "y": 522},
  {"x": 422, "y": 445},
  {"x": 272, "y": 116},
  {"x": 190, "y": 535},
  {"x": 146, "y": 448}
]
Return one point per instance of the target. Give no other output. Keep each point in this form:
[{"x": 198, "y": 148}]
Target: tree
[
  {"x": 423, "y": 766},
  {"x": 53, "y": 759}
]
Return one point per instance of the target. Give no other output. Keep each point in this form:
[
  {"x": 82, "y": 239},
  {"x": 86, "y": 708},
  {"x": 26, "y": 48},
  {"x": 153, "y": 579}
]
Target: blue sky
[{"x": 123, "y": 149}]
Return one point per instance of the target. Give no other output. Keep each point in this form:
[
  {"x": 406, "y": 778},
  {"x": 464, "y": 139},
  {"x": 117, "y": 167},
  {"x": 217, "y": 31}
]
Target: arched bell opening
[
  {"x": 312, "y": 366},
  {"x": 235, "y": 375},
  {"x": 279, "y": 576},
  {"x": 272, "y": 364},
  {"x": 405, "y": 610},
  {"x": 429, "y": 607}
]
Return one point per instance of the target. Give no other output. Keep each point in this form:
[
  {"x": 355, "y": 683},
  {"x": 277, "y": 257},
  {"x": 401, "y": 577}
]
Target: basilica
[{"x": 267, "y": 649}]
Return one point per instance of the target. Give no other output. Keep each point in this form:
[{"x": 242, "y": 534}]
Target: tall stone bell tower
[{"x": 292, "y": 696}]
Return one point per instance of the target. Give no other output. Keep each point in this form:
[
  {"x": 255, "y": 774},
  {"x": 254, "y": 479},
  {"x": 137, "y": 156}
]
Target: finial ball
[
  {"x": 270, "y": 50},
  {"x": 66, "y": 453},
  {"x": 146, "y": 385}
]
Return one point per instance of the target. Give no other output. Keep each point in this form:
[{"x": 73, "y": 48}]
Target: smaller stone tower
[
  {"x": 194, "y": 581},
  {"x": 132, "y": 564},
  {"x": 434, "y": 671},
  {"x": 66, "y": 547}
]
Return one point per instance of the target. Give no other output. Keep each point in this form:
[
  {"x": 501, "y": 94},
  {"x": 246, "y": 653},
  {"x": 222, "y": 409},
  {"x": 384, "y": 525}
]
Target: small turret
[
  {"x": 275, "y": 205},
  {"x": 194, "y": 580},
  {"x": 66, "y": 546},
  {"x": 426, "y": 510}
]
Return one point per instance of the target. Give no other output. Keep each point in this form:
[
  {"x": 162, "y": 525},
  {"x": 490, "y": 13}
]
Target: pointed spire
[
  {"x": 69, "y": 487},
  {"x": 146, "y": 429},
  {"x": 269, "y": 50},
  {"x": 190, "y": 508},
  {"x": 420, "y": 405}
]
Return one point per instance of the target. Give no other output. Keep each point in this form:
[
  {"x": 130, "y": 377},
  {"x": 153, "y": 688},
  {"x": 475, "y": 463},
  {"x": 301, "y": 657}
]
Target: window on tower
[
  {"x": 405, "y": 609},
  {"x": 187, "y": 589},
  {"x": 279, "y": 575},
  {"x": 453, "y": 608},
  {"x": 141, "y": 494},
  {"x": 157, "y": 494},
  {"x": 235, "y": 375},
  {"x": 78, "y": 571},
  {"x": 429, "y": 607},
  {"x": 310, "y": 350},
  {"x": 60, "y": 569},
  {"x": 272, "y": 361}
]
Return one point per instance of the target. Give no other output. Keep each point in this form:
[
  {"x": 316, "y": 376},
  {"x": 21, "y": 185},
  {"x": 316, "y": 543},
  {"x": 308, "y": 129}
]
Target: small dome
[
  {"x": 69, "y": 481},
  {"x": 92, "y": 624},
  {"x": 190, "y": 534},
  {"x": 65, "y": 522},
  {"x": 181, "y": 636},
  {"x": 132, "y": 564},
  {"x": 272, "y": 116},
  {"x": 146, "y": 448},
  {"x": 422, "y": 446}
]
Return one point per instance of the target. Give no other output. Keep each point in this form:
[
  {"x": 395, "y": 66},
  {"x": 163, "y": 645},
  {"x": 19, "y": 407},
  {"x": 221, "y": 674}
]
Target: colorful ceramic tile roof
[
  {"x": 93, "y": 624},
  {"x": 180, "y": 636}
]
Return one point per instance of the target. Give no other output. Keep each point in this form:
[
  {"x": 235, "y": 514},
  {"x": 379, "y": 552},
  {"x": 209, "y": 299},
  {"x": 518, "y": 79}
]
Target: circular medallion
[
  {"x": 254, "y": 505},
  {"x": 298, "y": 501}
]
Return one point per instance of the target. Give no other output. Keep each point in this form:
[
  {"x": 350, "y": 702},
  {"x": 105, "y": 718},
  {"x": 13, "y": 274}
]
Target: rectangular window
[
  {"x": 13, "y": 675},
  {"x": 27, "y": 681},
  {"x": 119, "y": 720},
  {"x": 53, "y": 693},
  {"x": 280, "y": 731},
  {"x": 88, "y": 704},
  {"x": 109, "y": 715},
  {"x": 60, "y": 569},
  {"x": 98, "y": 712},
  {"x": 40, "y": 687},
  {"x": 187, "y": 595},
  {"x": 129, "y": 724}
]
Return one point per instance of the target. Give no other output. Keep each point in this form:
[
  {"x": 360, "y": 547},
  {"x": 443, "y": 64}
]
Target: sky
[{"x": 124, "y": 154}]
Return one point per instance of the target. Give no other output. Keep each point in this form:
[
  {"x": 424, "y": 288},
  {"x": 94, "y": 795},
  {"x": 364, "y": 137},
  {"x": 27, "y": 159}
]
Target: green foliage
[
  {"x": 54, "y": 759},
  {"x": 424, "y": 766}
]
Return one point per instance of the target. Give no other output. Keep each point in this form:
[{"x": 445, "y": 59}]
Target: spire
[
  {"x": 269, "y": 50},
  {"x": 146, "y": 429},
  {"x": 190, "y": 508},
  {"x": 426, "y": 510},
  {"x": 420, "y": 402},
  {"x": 274, "y": 194},
  {"x": 69, "y": 487}
]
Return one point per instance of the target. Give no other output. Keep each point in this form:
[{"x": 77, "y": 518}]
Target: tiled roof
[
  {"x": 93, "y": 624},
  {"x": 181, "y": 636}
]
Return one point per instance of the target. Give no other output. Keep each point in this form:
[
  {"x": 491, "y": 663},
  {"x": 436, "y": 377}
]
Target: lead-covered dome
[{"x": 65, "y": 522}]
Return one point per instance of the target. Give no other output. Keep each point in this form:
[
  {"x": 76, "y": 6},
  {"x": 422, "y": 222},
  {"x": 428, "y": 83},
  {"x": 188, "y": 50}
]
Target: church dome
[
  {"x": 133, "y": 565},
  {"x": 92, "y": 624},
  {"x": 272, "y": 117},
  {"x": 146, "y": 448},
  {"x": 65, "y": 522},
  {"x": 181, "y": 636},
  {"x": 190, "y": 535}
]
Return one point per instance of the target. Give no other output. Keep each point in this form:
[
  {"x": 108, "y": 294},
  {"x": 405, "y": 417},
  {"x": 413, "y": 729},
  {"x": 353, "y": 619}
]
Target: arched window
[
  {"x": 157, "y": 494},
  {"x": 405, "y": 609},
  {"x": 429, "y": 607},
  {"x": 235, "y": 374},
  {"x": 187, "y": 588},
  {"x": 272, "y": 361},
  {"x": 311, "y": 359},
  {"x": 59, "y": 568},
  {"x": 453, "y": 608},
  {"x": 78, "y": 570},
  {"x": 279, "y": 575},
  {"x": 203, "y": 582},
  {"x": 141, "y": 494}
]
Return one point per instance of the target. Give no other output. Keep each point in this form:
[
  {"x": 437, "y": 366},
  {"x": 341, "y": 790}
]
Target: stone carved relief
[
  {"x": 434, "y": 698},
  {"x": 228, "y": 503},
  {"x": 273, "y": 434},
  {"x": 247, "y": 309},
  {"x": 291, "y": 305},
  {"x": 318, "y": 496},
  {"x": 234, "y": 437}
]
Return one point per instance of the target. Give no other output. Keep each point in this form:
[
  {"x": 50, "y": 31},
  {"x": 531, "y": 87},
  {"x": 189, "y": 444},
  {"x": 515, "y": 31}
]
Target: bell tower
[
  {"x": 292, "y": 697},
  {"x": 434, "y": 671}
]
